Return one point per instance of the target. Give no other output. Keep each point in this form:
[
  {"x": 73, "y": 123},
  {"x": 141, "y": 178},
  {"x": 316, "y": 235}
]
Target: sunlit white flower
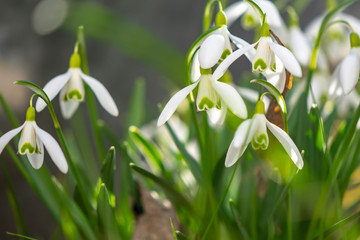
[
  {"x": 72, "y": 92},
  {"x": 335, "y": 42},
  {"x": 254, "y": 130},
  {"x": 251, "y": 18},
  {"x": 32, "y": 142},
  {"x": 268, "y": 57},
  {"x": 346, "y": 74},
  {"x": 211, "y": 93}
]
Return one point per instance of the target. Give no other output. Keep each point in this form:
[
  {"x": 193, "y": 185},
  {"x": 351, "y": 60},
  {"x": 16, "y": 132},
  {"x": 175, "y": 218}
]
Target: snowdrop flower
[
  {"x": 32, "y": 142},
  {"x": 72, "y": 92},
  {"x": 298, "y": 42},
  {"x": 251, "y": 18},
  {"x": 255, "y": 131},
  {"x": 268, "y": 58},
  {"x": 346, "y": 74},
  {"x": 211, "y": 93},
  {"x": 335, "y": 43}
]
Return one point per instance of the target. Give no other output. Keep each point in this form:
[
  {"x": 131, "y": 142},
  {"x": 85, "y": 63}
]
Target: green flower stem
[
  {"x": 289, "y": 215},
  {"x": 208, "y": 13},
  {"x": 315, "y": 51},
  {"x": 90, "y": 98},
  {"x": 72, "y": 166},
  {"x": 334, "y": 170},
  {"x": 254, "y": 5},
  {"x": 10, "y": 192},
  {"x": 220, "y": 202}
]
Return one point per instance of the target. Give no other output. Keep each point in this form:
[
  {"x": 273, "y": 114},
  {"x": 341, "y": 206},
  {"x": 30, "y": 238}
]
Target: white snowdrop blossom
[
  {"x": 32, "y": 142},
  {"x": 254, "y": 130},
  {"x": 251, "y": 18},
  {"x": 346, "y": 74},
  {"x": 211, "y": 93},
  {"x": 266, "y": 58},
  {"x": 72, "y": 91}
]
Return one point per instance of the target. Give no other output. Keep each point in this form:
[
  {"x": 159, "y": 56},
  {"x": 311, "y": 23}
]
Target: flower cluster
[{"x": 213, "y": 58}]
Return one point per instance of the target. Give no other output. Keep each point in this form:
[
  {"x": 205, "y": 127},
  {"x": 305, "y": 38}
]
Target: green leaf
[
  {"x": 35, "y": 88},
  {"x": 130, "y": 38},
  {"x": 20, "y": 236},
  {"x": 277, "y": 96},
  {"x": 108, "y": 169},
  {"x": 193, "y": 165},
  {"x": 74, "y": 212},
  {"x": 137, "y": 106},
  {"x": 106, "y": 217},
  {"x": 148, "y": 149},
  {"x": 175, "y": 196},
  {"x": 173, "y": 230}
]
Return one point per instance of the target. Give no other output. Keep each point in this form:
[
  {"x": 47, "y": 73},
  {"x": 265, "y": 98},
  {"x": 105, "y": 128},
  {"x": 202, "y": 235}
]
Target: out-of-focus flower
[
  {"x": 254, "y": 130},
  {"x": 32, "y": 142},
  {"x": 72, "y": 92},
  {"x": 251, "y": 18}
]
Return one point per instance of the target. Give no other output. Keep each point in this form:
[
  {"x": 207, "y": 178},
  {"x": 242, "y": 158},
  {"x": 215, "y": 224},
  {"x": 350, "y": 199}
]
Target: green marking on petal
[
  {"x": 27, "y": 146},
  {"x": 260, "y": 142},
  {"x": 74, "y": 94},
  {"x": 273, "y": 67},
  {"x": 225, "y": 53},
  {"x": 259, "y": 65},
  {"x": 205, "y": 103}
]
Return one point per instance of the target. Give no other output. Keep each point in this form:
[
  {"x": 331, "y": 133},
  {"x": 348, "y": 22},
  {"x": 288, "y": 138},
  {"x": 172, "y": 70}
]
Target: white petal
[
  {"x": 216, "y": 116},
  {"x": 241, "y": 140},
  {"x": 300, "y": 45},
  {"x": 195, "y": 68},
  {"x": 335, "y": 88},
  {"x": 68, "y": 108},
  {"x": 52, "y": 88},
  {"x": 52, "y": 148},
  {"x": 349, "y": 72},
  {"x": 102, "y": 94},
  {"x": 287, "y": 58},
  {"x": 235, "y": 10},
  {"x": 240, "y": 43},
  {"x": 287, "y": 143},
  {"x": 231, "y": 98},
  {"x": 5, "y": 139},
  {"x": 174, "y": 102},
  {"x": 211, "y": 50},
  {"x": 224, "y": 65},
  {"x": 277, "y": 78},
  {"x": 36, "y": 160}
]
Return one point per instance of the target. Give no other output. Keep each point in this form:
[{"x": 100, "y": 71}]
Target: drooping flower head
[
  {"x": 211, "y": 93},
  {"x": 72, "y": 91},
  {"x": 32, "y": 142},
  {"x": 254, "y": 130}
]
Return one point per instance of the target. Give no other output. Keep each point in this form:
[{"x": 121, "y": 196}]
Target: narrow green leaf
[
  {"x": 20, "y": 236},
  {"x": 175, "y": 196},
  {"x": 108, "y": 169},
  {"x": 173, "y": 230},
  {"x": 193, "y": 165},
  {"x": 35, "y": 88},
  {"x": 148, "y": 149},
  {"x": 137, "y": 106},
  {"x": 106, "y": 217},
  {"x": 74, "y": 212}
]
